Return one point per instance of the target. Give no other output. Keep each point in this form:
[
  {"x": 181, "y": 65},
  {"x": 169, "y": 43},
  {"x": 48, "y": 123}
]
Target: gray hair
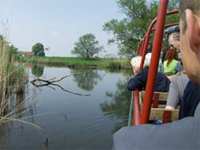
[
  {"x": 135, "y": 62},
  {"x": 176, "y": 36}
]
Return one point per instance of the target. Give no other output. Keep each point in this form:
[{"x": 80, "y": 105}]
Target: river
[{"x": 81, "y": 111}]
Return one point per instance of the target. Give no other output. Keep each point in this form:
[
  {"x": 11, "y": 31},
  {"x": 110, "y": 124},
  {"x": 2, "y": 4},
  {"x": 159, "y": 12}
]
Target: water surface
[{"x": 69, "y": 121}]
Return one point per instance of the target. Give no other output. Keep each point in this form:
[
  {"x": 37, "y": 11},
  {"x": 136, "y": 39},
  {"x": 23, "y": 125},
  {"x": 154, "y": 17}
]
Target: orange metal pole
[
  {"x": 169, "y": 25},
  {"x": 136, "y": 109},
  {"x": 154, "y": 61},
  {"x": 146, "y": 42},
  {"x": 139, "y": 47}
]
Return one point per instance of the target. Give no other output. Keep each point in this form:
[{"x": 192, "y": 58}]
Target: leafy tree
[
  {"x": 38, "y": 49},
  {"x": 13, "y": 50},
  {"x": 87, "y": 46},
  {"x": 130, "y": 30}
]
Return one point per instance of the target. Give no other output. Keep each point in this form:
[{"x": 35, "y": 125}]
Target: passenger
[
  {"x": 190, "y": 52},
  {"x": 176, "y": 90},
  {"x": 139, "y": 81},
  {"x": 171, "y": 60},
  {"x": 174, "y": 43}
]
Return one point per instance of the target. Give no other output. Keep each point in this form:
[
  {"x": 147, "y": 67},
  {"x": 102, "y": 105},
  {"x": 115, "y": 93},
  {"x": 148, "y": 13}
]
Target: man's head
[
  {"x": 190, "y": 38},
  {"x": 174, "y": 39}
]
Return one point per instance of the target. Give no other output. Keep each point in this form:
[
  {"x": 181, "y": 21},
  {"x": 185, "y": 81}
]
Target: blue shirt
[{"x": 191, "y": 99}]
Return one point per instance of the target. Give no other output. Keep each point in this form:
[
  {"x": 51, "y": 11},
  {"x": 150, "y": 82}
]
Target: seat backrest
[
  {"x": 159, "y": 99},
  {"x": 165, "y": 115}
]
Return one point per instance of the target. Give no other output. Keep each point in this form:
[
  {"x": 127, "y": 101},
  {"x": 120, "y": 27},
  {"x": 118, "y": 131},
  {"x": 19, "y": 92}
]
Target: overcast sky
[{"x": 56, "y": 23}]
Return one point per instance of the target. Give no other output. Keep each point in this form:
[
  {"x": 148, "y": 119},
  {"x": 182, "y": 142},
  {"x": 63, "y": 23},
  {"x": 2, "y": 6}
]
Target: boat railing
[{"x": 142, "y": 117}]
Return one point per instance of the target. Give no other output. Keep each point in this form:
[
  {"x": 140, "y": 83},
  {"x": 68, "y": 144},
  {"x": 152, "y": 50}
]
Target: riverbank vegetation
[
  {"x": 113, "y": 63},
  {"x": 12, "y": 73}
]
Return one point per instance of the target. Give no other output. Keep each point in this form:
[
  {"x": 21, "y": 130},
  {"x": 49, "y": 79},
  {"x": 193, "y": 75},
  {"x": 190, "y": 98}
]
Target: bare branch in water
[{"x": 52, "y": 82}]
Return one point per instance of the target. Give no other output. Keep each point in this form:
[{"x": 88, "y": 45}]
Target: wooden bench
[
  {"x": 159, "y": 99},
  {"x": 163, "y": 114},
  {"x": 158, "y": 111}
]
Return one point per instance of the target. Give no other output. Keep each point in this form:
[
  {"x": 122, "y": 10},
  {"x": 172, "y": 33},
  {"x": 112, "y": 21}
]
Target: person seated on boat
[
  {"x": 171, "y": 60},
  {"x": 176, "y": 90},
  {"x": 173, "y": 39},
  {"x": 139, "y": 81},
  {"x": 190, "y": 53},
  {"x": 174, "y": 43}
]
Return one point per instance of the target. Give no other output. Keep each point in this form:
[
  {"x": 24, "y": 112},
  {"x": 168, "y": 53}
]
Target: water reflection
[
  {"x": 37, "y": 70},
  {"x": 119, "y": 106},
  {"x": 87, "y": 80},
  {"x": 69, "y": 121}
]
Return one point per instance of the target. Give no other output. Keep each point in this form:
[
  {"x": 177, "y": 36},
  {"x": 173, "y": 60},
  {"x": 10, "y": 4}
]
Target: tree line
[{"x": 127, "y": 33}]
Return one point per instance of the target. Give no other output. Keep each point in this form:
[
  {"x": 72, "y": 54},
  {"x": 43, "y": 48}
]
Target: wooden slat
[
  {"x": 162, "y": 95},
  {"x": 157, "y": 114}
]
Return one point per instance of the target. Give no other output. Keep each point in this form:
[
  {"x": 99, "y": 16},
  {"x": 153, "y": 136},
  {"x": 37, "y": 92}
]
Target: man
[
  {"x": 174, "y": 43},
  {"x": 182, "y": 134},
  {"x": 140, "y": 80},
  {"x": 190, "y": 52},
  {"x": 176, "y": 90}
]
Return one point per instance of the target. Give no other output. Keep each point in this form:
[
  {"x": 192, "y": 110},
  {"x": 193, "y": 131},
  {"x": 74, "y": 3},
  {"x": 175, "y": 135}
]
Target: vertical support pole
[
  {"x": 167, "y": 116},
  {"x": 136, "y": 110},
  {"x": 154, "y": 61},
  {"x": 155, "y": 100}
]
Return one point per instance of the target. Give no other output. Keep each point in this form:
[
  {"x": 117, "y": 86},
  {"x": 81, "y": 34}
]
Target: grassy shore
[{"x": 115, "y": 63}]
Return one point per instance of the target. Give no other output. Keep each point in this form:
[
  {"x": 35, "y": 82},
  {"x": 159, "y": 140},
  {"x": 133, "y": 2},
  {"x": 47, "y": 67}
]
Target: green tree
[
  {"x": 13, "y": 50},
  {"x": 38, "y": 49},
  {"x": 129, "y": 31},
  {"x": 87, "y": 46}
]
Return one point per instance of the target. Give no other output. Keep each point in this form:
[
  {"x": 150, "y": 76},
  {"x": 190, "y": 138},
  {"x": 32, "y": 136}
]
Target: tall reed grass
[{"x": 11, "y": 74}]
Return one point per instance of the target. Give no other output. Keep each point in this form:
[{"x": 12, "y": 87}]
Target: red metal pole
[
  {"x": 142, "y": 48},
  {"x": 136, "y": 109},
  {"x": 146, "y": 42},
  {"x": 139, "y": 47},
  {"x": 154, "y": 61},
  {"x": 169, "y": 25}
]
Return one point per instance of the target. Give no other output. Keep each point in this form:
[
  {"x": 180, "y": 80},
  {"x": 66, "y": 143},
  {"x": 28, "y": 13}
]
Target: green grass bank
[{"x": 114, "y": 63}]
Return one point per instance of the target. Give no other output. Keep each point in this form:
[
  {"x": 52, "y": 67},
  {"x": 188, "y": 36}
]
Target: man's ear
[{"x": 193, "y": 31}]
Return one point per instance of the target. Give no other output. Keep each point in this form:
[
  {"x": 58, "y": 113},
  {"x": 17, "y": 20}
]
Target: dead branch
[{"x": 51, "y": 82}]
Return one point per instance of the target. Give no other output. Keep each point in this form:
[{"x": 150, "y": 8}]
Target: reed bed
[{"x": 11, "y": 75}]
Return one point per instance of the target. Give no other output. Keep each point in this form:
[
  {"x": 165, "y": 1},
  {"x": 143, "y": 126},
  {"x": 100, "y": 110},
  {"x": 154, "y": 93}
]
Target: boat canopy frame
[{"x": 142, "y": 117}]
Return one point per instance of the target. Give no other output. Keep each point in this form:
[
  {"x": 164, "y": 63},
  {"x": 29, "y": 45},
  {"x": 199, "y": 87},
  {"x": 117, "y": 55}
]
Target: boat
[{"x": 146, "y": 106}]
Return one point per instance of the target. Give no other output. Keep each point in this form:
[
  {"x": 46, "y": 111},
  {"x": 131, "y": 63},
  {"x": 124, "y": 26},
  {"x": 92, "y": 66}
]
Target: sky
[{"x": 57, "y": 24}]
